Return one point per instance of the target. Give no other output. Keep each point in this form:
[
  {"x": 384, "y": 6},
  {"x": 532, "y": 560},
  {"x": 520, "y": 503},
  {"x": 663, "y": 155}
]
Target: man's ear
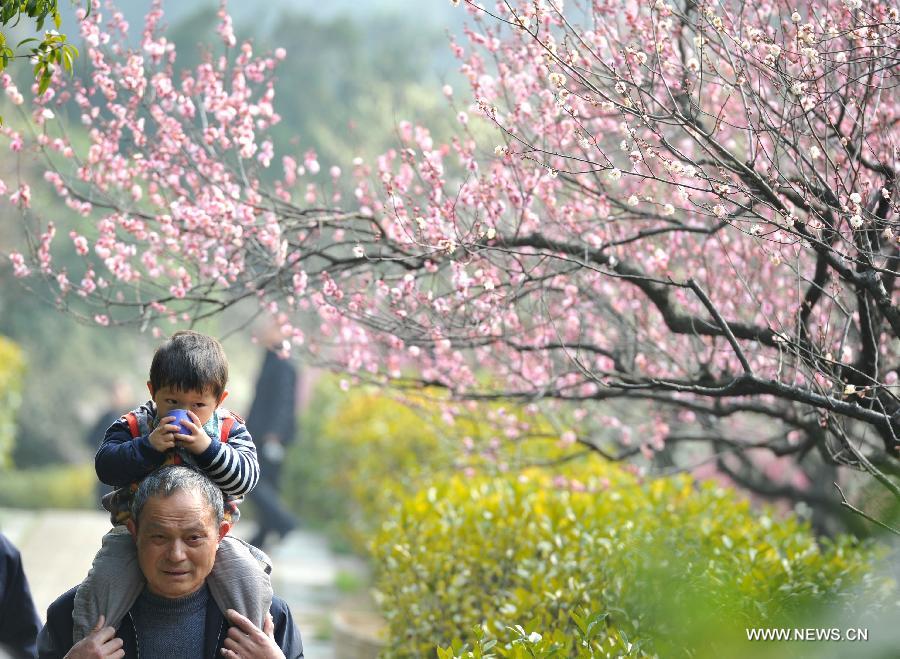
[
  {"x": 222, "y": 397},
  {"x": 132, "y": 527},
  {"x": 224, "y": 528},
  {"x": 150, "y": 388}
]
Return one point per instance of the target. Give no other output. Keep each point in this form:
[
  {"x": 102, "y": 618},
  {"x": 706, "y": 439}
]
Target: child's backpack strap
[
  {"x": 227, "y": 424},
  {"x": 132, "y": 420}
]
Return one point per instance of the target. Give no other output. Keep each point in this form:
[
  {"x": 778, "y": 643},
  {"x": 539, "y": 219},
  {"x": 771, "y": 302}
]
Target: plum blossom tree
[{"x": 687, "y": 206}]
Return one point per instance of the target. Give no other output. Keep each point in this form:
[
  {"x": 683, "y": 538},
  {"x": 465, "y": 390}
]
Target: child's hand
[
  {"x": 198, "y": 441},
  {"x": 163, "y": 438}
]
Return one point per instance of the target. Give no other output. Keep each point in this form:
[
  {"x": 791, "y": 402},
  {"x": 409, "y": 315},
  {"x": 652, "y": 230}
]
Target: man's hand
[
  {"x": 101, "y": 643},
  {"x": 198, "y": 441},
  {"x": 163, "y": 438},
  {"x": 248, "y": 641}
]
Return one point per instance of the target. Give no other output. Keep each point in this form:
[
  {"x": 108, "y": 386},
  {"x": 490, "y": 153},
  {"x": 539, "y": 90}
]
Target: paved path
[{"x": 58, "y": 546}]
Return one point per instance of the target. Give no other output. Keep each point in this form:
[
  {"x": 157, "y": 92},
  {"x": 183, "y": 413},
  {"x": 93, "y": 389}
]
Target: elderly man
[{"x": 177, "y": 523}]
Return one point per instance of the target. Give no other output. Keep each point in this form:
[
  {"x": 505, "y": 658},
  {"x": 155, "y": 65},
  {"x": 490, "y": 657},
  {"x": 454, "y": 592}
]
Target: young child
[{"x": 189, "y": 372}]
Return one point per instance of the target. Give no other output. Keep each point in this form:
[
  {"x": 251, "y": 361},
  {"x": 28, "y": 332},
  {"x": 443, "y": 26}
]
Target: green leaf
[
  {"x": 45, "y": 82},
  {"x": 445, "y": 653}
]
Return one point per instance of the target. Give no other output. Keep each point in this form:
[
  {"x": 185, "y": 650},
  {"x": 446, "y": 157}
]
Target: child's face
[{"x": 201, "y": 403}]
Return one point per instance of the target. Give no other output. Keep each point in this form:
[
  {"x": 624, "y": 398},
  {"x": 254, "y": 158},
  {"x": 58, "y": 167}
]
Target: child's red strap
[
  {"x": 227, "y": 422},
  {"x": 131, "y": 418}
]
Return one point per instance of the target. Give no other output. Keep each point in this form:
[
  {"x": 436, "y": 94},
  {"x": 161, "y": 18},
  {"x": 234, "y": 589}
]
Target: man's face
[
  {"x": 201, "y": 403},
  {"x": 177, "y": 538}
]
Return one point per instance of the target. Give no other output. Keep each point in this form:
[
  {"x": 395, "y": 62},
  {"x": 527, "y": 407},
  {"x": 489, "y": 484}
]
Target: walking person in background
[
  {"x": 19, "y": 622},
  {"x": 273, "y": 421},
  {"x": 121, "y": 397}
]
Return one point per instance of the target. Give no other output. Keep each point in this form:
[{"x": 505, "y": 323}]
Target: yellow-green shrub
[
  {"x": 361, "y": 451},
  {"x": 350, "y": 464},
  {"x": 676, "y": 567},
  {"x": 59, "y": 486},
  {"x": 12, "y": 368}
]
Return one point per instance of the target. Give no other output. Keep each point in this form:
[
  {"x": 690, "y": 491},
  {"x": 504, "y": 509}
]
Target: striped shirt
[{"x": 123, "y": 460}]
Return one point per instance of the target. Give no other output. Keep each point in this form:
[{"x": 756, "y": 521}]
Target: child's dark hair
[{"x": 190, "y": 361}]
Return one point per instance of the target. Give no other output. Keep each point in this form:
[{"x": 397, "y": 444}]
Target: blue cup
[{"x": 180, "y": 417}]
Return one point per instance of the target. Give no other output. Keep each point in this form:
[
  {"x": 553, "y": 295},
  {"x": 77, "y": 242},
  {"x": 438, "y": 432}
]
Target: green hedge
[
  {"x": 515, "y": 563},
  {"x": 669, "y": 567},
  {"x": 59, "y": 486}
]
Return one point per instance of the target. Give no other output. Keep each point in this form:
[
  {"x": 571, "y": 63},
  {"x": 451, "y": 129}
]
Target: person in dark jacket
[
  {"x": 177, "y": 524},
  {"x": 120, "y": 398},
  {"x": 19, "y": 622},
  {"x": 273, "y": 421}
]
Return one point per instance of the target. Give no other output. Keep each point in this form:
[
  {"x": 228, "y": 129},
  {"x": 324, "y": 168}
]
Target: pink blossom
[
  {"x": 21, "y": 197},
  {"x": 80, "y": 242},
  {"x": 20, "y": 270},
  {"x": 226, "y": 29},
  {"x": 310, "y": 162}
]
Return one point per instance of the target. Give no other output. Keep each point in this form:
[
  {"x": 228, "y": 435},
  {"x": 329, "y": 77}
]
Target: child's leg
[
  {"x": 240, "y": 580},
  {"x": 111, "y": 587}
]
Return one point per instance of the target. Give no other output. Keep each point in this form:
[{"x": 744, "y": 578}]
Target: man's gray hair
[{"x": 177, "y": 478}]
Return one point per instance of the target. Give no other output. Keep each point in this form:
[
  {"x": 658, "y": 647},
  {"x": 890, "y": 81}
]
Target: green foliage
[
  {"x": 12, "y": 368},
  {"x": 69, "y": 486},
  {"x": 13, "y": 10},
  {"x": 585, "y": 643},
  {"x": 46, "y": 53},
  {"x": 668, "y": 567},
  {"x": 558, "y": 560}
]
